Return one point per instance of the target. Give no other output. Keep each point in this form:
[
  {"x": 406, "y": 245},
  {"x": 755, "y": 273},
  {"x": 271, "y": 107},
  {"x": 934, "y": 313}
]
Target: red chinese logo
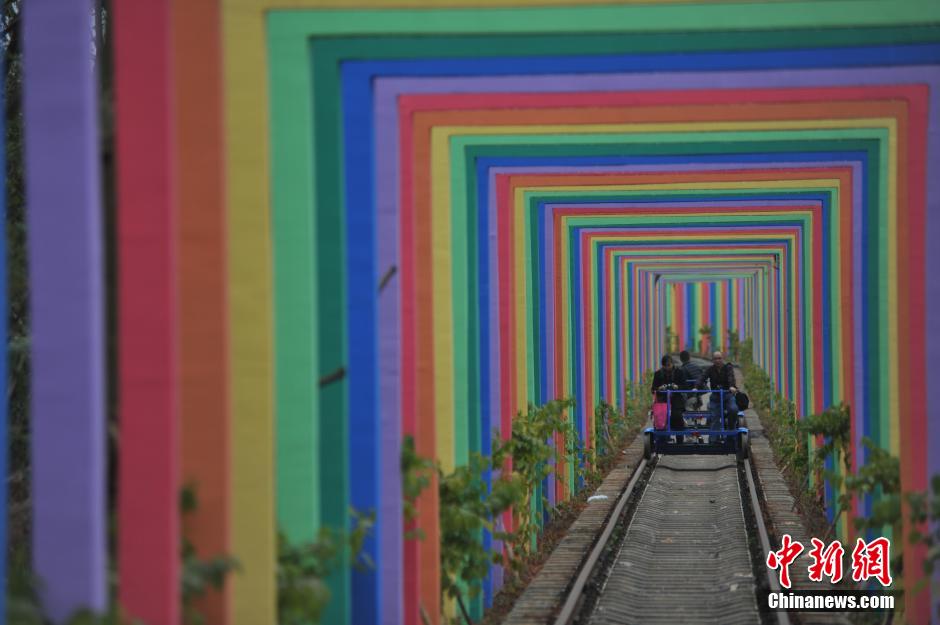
[
  {"x": 872, "y": 560},
  {"x": 826, "y": 561},
  {"x": 869, "y": 560},
  {"x": 784, "y": 558}
]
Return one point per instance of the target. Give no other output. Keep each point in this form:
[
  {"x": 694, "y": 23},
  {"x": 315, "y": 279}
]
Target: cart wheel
[
  {"x": 744, "y": 446},
  {"x": 648, "y": 446}
]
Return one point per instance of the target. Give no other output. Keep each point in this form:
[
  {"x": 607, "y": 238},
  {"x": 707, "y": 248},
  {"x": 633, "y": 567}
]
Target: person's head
[
  {"x": 666, "y": 362},
  {"x": 684, "y": 356},
  {"x": 718, "y": 358}
]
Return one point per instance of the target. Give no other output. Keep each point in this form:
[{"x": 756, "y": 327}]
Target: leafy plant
[
  {"x": 417, "y": 474},
  {"x": 746, "y": 353},
  {"x": 467, "y": 508},
  {"x": 114, "y": 616},
  {"x": 198, "y": 576},
  {"x": 759, "y": 386},
  {"x": 23, "y": 608},
  {"x": 925, "y": 528},
  {"x": 614, "y": 429},
  {"x": 22, "y": 589},
  {"x": 534, "y": 457},
  {"x": 607, "y": 424},
  {"x": 637, "y": 401},
  {"x": 833, "y": 425},
  {"x": 881, "y": 476},
  {"x": 734, "y": 345},
  {"x": 705, "y": 343},
  {"x": 671, "y": 338},
  {"x": 541, "y": 438},
  {"x": 787, "y": 439},
  {"x": 302, "y": 593}
]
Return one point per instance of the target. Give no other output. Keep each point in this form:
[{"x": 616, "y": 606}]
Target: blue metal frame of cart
[{"x": 720, "y": 441}]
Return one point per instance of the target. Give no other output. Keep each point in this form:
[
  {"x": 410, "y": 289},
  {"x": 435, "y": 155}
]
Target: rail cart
[{"x": 728, "y": 438}]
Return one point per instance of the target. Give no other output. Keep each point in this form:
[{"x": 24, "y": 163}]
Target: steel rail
[
  {"x": 569, "y": 608},
  {"x": 577, "y": 589},
  {"x": 781, "y": 615}
]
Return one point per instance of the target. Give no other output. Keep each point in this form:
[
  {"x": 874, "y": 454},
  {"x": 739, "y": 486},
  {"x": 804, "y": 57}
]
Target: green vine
[
  {"x": 417, "y": 473},
  {"x": 925, "y": 529},
  {"x": 302, "y": 569},
  {"x": 198, "y": 576},
  {"x": 879, "y": 477},
  {"x": 671, "y": 338},
  {"x": 746, "y": 352},
  {"x": 834, "y": 426},
  {"x": 540, "y": 440},
  {"x": 467, "y": 508},
  {"x": 734, "y": 345},
  {"x": 614, "y": 429},
  {"x": 705, "y": 333},
  {"x": 789, "y": 441},
  {"x": 535, "y": 456},
  {"x": 609, "y": 429}
]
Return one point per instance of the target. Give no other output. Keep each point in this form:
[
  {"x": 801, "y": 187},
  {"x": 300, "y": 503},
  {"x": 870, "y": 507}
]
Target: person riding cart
[
  {"x": 671, "y": 422},
  {"x": 693, "y": 373},
  {"x": 670, "y": 377},
  {"x": 720, "y": 376}
]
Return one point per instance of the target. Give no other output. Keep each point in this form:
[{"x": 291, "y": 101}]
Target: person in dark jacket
[
  {"x": 693, "y": 374},
  {"x": 670, "y": 376},
  {"x": 720, "y": 376}
]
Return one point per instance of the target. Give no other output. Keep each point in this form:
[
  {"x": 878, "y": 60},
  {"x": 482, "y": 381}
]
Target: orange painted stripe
[{"x": 204, "y": 388}]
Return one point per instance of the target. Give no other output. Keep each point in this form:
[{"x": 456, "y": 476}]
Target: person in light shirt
[
  {"x": 720, "y": 376},
  {"x": 693, "y": 373}
]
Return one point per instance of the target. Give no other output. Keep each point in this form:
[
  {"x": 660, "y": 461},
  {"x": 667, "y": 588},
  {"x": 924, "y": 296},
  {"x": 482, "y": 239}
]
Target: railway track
[{"x": 682, "y": 545}]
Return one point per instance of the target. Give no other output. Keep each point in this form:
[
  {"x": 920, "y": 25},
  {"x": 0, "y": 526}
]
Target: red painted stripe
[
  {"x": 912, "y": 356},
  {"x": 587, "y": 348},
  {"x": 412, "y": 548},
  {"x": 536, "y": 101},
  {"x": 148, "y": 385}
]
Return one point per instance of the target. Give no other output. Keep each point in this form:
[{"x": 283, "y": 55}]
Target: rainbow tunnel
[{"x": 339, "y": 224}]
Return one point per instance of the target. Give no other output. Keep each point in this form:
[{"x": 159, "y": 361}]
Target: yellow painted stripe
[{"x": 250, "y": 293}]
